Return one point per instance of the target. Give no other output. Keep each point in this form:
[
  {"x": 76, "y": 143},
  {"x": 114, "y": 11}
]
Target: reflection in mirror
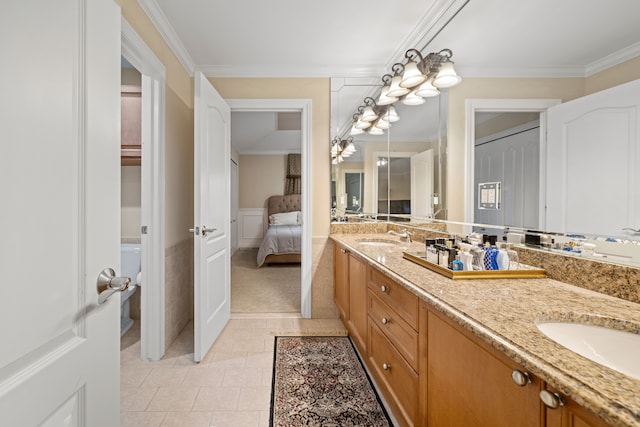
[
  {"x": 507, "y": 154},
  {"x": 402, "y": 171}
]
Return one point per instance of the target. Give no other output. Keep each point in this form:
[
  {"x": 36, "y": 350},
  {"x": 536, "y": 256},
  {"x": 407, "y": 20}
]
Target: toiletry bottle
[{"x": 457, "y": 265}]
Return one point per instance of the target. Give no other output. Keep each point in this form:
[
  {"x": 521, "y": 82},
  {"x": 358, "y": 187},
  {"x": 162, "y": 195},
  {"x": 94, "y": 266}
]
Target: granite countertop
[{"x": 503, "y": 312}]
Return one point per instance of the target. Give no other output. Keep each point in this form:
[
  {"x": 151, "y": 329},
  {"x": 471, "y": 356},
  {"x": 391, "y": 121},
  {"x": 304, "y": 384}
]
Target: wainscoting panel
[{"x": 252, "y": 224}]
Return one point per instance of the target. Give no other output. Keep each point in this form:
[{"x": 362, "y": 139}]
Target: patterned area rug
[{"x": 320, "y": 381}]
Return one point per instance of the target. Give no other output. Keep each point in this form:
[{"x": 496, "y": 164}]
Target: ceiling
[{"x": 353, "y": 38}]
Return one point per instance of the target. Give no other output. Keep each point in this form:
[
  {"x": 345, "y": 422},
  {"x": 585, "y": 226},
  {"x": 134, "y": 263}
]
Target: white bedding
[{"x": 280, "y": 239}]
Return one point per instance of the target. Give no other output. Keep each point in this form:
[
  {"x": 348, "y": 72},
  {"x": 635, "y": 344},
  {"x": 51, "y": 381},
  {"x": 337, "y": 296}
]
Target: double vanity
[{"x": 490, "y": 352}]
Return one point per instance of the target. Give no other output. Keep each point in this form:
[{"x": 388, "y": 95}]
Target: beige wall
[
  {"x": 614, "y": 76},
  {"x": 260, "y": 176},
  {"x": 319, "y": 91}
]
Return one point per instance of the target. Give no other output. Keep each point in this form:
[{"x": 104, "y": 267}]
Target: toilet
[{"x": 130, "y": 262}]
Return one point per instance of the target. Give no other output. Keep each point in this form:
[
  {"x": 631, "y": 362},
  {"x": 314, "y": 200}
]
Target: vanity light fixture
[
  {"x": 384, "y": 98},
  {"x": 341, "y": 149},
  {"x": 368, "y": 115},
  {"x": 447, "y": 76},
  {"x": 412, "y": 75},
  {"x": 421, "y": 77},
  {"x": 395, "y": 89},
  {"x": 412, "y": 98},
  {"x": 427, "y": 89},
  {"x": 390, "y": 115}
]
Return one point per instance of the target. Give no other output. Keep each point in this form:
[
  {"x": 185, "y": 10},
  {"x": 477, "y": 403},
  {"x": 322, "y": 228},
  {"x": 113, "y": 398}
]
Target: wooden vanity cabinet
[
  {"x": 429, "y": 369},
  {"x": 570, "y": 414},
  {"x": 350, "y": 294},
  {"x": 341, "y": 280},
  {"x": 393, "y": 345},
  {"x": 470, "y": 383}
]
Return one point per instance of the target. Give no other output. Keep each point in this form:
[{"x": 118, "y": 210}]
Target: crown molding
[
  {"x": 615, "y": 58},
  {"x": 527, "y": 72},
  {"x": 159, "y": 20},
  {"x": 287, "y": 71},
  {"x": 434, "y": 21}
]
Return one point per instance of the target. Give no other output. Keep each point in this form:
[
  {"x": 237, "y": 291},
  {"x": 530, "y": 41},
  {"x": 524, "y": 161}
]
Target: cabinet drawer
[
  {"x": 397, "y": 331},
  {"x": 398, "y": 382},
  {"x": 394, "y": 295}
]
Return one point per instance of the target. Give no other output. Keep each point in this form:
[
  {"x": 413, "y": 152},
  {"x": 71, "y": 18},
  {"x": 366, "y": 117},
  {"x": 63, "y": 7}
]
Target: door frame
[
  {"x": 303, "y": 106},
  {"x": 472, "y": 106},
  {"x": 152, "y": 301}
]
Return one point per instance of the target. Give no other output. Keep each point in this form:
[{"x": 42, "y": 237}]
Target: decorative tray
[{"x": 525, "y": 271}]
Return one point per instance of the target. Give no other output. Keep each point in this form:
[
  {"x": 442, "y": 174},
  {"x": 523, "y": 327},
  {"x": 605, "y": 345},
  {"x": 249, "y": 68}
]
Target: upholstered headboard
[{"x": 288, "y": 203}]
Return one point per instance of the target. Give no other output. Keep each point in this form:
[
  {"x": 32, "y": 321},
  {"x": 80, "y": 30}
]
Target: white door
[
  {"x": 593, "y": 163},
  {"x": 60, "y": 216},
  {"x": 422, "y": 184},
  {"x": 234, "y": 207},
  {"x": 212, "y": 206}
]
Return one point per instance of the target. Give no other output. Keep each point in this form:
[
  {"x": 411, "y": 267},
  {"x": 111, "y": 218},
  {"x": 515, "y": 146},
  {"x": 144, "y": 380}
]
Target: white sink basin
[
  {"x": 378, "y": 242},
  {"x": 615, "y": 349}
]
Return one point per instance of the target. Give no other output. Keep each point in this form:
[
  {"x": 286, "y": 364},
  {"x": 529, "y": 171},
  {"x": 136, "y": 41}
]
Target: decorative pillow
[{"x": 284, "y": 218}]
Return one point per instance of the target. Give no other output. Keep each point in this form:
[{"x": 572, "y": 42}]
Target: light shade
[
  {"x": 391, "y": 115},
  {"x": 412, "y": 75},
  {"x": 349, "y": 150},
  {"x": 447, "y": 76},
  {"x": 412, "y": 99},
  {"x": 362, "y": 124},
  {"x": 355, "y": 130},
  {"x": 368, "y": 115},
  {"x": 384, "y": 98},
  {"x": 375, "y": 131},
  {"x": 427, "y": 89},
  {"x": 395, "y": 90},
  {"x": 382, "y": 124}
]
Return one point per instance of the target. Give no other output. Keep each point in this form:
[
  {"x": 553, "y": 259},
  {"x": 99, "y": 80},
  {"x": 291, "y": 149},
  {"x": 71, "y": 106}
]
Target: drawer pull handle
[
  {"x": 384, "y": 320},
  {"x": 386, "y": 366},
  {"x": 383, "y": 288},
  {"x": 551, "y": 400},
  {"x": 520, "y": 378},
  {"x": 344, "y": 251}
]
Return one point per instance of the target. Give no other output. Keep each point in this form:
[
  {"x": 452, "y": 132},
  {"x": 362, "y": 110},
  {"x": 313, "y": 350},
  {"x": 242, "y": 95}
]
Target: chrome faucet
[{"x": 405, "y": 235}]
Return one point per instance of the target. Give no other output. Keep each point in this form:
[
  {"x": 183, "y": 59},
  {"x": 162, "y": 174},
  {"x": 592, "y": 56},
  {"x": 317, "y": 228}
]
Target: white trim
[
  {"x": 152, "y": 310},
  {"x": 615, "y": 58},
  {"x": 507, "y": 105},
  {"x": 303, "y": 105},
  {"x": 160, "y": 21}
]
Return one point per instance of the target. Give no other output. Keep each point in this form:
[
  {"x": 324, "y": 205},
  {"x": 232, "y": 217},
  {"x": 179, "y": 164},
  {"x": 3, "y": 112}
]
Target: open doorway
[
  {"x": 266, "y": 269},
  {"x": 145, "y": 213}
]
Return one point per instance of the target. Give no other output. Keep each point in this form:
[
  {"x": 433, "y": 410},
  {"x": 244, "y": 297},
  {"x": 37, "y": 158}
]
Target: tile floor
[{"x": 230, "y": 387}]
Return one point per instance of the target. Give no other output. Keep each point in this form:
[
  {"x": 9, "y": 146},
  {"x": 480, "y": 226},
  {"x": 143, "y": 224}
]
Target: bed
[{"x": 282, "y": 241}]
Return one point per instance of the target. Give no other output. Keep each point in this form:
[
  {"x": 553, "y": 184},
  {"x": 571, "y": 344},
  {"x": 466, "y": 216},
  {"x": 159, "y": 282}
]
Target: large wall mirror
[
  {"x": 584, "y": 205},
  {"x": 397, "y": 176}
]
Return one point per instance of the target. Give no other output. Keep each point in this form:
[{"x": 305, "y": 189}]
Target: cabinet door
[
  {"x": 358, "y": 302},
  {"x": 469, "y": 384},
  {"x": 571, "y": 415},
  {"x": 341, "y": 280}
]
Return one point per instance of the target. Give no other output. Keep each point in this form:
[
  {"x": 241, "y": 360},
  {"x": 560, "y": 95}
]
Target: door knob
[
  {"x": 108, "y": 284},
  {"x": 206, "y": 230},
  {"x": 194, "y": 230}
]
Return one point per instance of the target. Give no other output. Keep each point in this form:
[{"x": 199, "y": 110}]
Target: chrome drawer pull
[
  {"x": 386, "y": 366},
  {"x": 520, "y": 378},
  {"x": 384, "y": 320},
  {"x": 551, "y": 400},
  {"x": 383, "y": 288}
]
